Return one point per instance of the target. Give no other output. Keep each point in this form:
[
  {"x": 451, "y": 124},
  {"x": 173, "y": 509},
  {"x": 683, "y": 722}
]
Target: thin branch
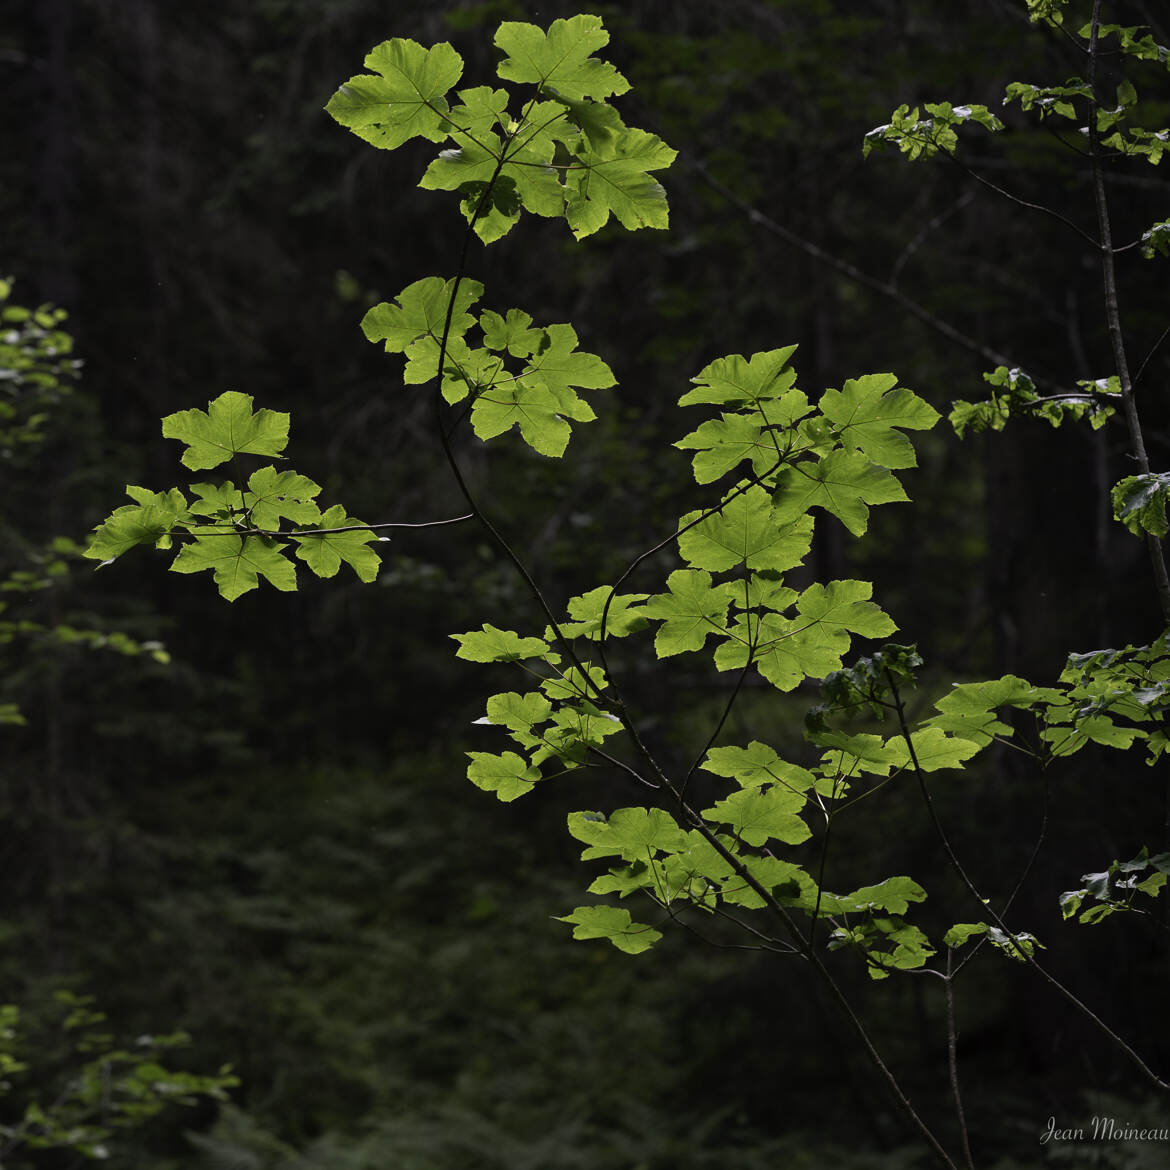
[
  {"x": 953, "y": 1060},
  {"x": 986, "y": 907},
  {"x": 1113, "y": 318},
  {"x": 854, "y": 273}
]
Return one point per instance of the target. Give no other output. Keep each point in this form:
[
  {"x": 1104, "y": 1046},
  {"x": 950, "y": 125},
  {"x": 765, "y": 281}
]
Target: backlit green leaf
[
  {"x": 403, "y": 97},
  {"x": 493, "y": 645},
  {"x": 758, "y": 815},
  {"x": 614, "y": 924},
  {"x": 507, "y": 775},
  {"x": 630, "y": 833},
  {"x": 614, "y": 178},
  {"x": 746, "y": 531},
  {"x": 690, "y": 611},
  {"x": 228, "y": 427},
  {"x": 867, "y": 411},
  {"x": 561, "y": 58},
  {"x": 143, "y": 522},
  {"x": 843, "y": 482},
  {"x": 324, "y": 553},
  {"x": 237, "y": 563}
]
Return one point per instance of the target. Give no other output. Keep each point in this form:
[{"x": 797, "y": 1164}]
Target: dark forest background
[{"x": 270, "y": 842}]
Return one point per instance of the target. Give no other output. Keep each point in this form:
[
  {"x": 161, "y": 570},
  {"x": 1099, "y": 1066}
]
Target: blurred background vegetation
[{"x": 262, "y": 835}]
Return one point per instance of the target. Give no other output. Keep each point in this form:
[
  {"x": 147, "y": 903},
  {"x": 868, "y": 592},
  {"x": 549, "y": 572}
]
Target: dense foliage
[{"x": 734, "y": 844}]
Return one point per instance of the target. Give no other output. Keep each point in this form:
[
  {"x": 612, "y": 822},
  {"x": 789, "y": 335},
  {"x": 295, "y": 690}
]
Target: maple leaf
[
  {"x": 237, "y": 562},
  {"x": 613, "y": 178},
  {"x": 560, "y": 58},
  {"x": 691, "y": 610},
  {"x": 150, "y": 517},
  {"x": 867, "y": 411},
  {"x": 228, "y": 427},
  {"x": 842, "y": 482},
  {"x": 323, "y": 553},
  {"x": 738, "y": 381},
  {"x": 746, "y": 531},
  {"x": 403, "y": 98}
]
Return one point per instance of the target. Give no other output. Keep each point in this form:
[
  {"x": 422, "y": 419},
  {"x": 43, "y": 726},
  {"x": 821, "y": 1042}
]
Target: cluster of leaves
[
  {"x": 1114, "y": 890},
  {"x": 36, "y": 370},
  {"x": 102, "y": 1091},
  {"x": 1095, "y": 691},
  {"x": 236, "y": 532},
  {"x": 923, "y": 137},
  {"x": 731, "y": 600},
  {"x": 1014, "y": 392},
  {"x": 563, "y": 151},
  {"x": 429, "y": 321}
]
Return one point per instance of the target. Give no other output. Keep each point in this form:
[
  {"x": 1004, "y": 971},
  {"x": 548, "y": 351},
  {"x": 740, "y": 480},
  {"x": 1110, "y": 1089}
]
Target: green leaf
[
  {"x": 746, "y": 531},
  {"x": 691, "y": 610},
  {"x": 614, "y": 178},
  {"x": 276, "y": 494},
  {"x": 571, "y": 684},
  {"x": 557, "y": 365},
  {"x": 843, "y": 482},
  {"x": 755, "y": 765},
  {"x": 1139, "y": 502},
  {"x": 325, "y": 552},
  {"x": 894, "y": 894},
  {"x": 528, "y": 405},
  {"x": 726, "y": 441},
  {"x": 736, "y": 381},
  {"x": 758, "y": 814},
  {"x": 518, "y": 712},
  {"x": 630, "y": 833},
  {"x": 507, "y": 775},
  {"x": 237, "y": 562},
  {"x": 969, "y": 709},
  {"x": 962, "y": 931},
  {"x": 614, "y": 924},
  {"x": 403, "y": 98},
  {"x": 144, "y": 522},
  {"x": 494, "y": 645},
  {"x": 513, "y": 333},
  {"x": 524, "y": 178},
  {"x": 621, "y": 619},
  {"x": 227, "y": 428},
  {"x": 561, "y": 58},
  {"x": 935, "y": 750},
  {"x": 418, "y": 315},
  {"x": 830, "y": 613},
  {"x": 867, "y": 411}
]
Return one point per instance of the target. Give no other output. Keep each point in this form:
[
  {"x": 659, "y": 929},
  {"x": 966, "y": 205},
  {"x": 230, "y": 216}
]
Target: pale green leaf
[
  {"x": 630, "y": 833},
  {"x": 237, "y": 563},
  {"x": 746, "y": 531},
  {"x": 228, "y": 427},
  {"x": 755, "y": 765},
  {"x": 690, "y": 611},
  {"x": 403, "y": 97},
  {"x": 507, "y": 775},
  {"x": 614, "y": 178},
  {"x": 736, "y": 381},
  {"x": 561, "y": 58},
  {"x": 325, "y": 552},
  {"x": 276, "y": 494},
  {"x": 843, "y": 482},
  {"x": 151, "y": 517},
  {"x": 758, "y": 815},
  {"x": 867, "y": 411},
  {"x": 614, "y": 924},
  {"x": 493, "y": 645}
]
